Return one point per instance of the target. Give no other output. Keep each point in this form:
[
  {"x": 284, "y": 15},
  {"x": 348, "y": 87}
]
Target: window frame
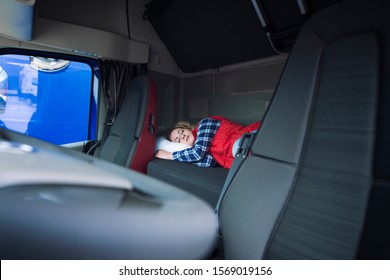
[{"x": 93, "y": 63}]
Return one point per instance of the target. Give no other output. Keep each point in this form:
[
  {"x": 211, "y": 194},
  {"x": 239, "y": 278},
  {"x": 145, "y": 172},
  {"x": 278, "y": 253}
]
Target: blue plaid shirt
[{"x": 198, "y": 154}]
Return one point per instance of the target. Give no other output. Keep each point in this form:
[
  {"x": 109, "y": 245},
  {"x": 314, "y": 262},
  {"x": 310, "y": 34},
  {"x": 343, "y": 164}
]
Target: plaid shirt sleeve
[{"x": 198, "y": 154}]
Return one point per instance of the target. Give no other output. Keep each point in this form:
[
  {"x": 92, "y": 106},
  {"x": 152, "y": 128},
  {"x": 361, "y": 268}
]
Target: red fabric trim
[{"x": 147, "y": 141}]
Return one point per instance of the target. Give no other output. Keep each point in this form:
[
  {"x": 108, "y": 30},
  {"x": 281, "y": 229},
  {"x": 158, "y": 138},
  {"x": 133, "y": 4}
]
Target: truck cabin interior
[{"x": 313, "y": 183}]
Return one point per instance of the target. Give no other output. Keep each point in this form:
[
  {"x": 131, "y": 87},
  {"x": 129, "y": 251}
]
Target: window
[{"x": 47, "y": 98}]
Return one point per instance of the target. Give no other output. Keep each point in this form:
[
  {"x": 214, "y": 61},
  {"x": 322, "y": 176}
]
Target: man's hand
[{"x": 163, "y": 154}]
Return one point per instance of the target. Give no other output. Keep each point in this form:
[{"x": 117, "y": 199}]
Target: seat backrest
[
  {"x": 317, "y": 183},
  {"x": 131, "y": 138}
]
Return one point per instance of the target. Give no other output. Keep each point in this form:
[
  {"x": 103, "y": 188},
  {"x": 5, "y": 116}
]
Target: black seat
[
  {"x": 317, "y": 183},
  {"x": 131, "y": 139}
]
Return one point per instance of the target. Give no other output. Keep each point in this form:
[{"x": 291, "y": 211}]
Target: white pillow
[{"x": 166, "y": 145}]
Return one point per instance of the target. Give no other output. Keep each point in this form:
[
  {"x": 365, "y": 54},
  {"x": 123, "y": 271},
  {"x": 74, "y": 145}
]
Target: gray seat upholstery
[
  {"x": 131, "y": 139},
  {"x": 317, "y": 183}
]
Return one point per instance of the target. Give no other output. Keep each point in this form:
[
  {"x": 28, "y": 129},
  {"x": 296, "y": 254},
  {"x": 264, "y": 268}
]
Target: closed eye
[{"x": 180, "y": 132}]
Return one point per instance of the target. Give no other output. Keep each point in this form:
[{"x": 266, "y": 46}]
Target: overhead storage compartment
[
  {"x": 17, "y": 19},
  {"x": 229, "y": 32},
  {"x": 204, "y": 34}
]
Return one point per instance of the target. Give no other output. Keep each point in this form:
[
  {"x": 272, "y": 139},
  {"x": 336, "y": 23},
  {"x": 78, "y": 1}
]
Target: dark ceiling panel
[{"x": 229, "y": 32}]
